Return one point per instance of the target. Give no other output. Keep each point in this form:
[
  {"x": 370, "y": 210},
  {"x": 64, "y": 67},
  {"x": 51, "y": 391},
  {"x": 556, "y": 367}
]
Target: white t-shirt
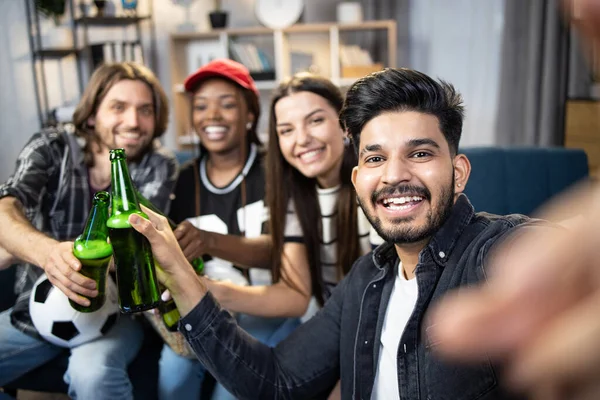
[{"x": 400, "y": 307}]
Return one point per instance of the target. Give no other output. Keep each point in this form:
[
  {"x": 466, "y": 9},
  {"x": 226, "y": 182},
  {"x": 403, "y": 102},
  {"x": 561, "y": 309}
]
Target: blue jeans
[
  {"x": 181, "y": 378},
  {"x": 97, "y": 369}
]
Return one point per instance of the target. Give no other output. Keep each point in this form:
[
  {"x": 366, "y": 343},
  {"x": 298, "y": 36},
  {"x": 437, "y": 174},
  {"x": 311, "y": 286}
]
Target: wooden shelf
[
  {"x": 110, "y": 21},
  {"x": 56, "y": 52},
  {"x": 298, "y": 28},
  {"x": 298, "y": 47}
]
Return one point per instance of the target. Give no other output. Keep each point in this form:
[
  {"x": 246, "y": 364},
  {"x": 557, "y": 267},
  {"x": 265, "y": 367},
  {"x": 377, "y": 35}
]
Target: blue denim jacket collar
[{"x": 442, "y": 243}]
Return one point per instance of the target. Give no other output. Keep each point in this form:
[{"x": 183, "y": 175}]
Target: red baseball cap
[{"x": 223, "y": 68}]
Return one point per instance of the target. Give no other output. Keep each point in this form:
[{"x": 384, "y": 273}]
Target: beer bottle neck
[
  {"x": 147, "y": 203},
  {"x": 124, "y": 200},
  {"x": 92, "y": 243}
]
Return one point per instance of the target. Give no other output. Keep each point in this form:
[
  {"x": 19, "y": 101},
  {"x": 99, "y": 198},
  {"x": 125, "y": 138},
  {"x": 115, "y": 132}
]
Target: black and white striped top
[{"x": 368, "y": 238}]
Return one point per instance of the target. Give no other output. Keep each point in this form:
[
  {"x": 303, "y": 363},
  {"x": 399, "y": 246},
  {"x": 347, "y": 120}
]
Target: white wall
[
  {"x": 460, "y": 41},
  {"x": 18, "y": 115}
]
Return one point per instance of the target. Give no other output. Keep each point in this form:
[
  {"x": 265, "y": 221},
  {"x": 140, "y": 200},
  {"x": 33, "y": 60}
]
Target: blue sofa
[
  {"x": 519, "y": 180},
  {"x": 503, "y": 181}
]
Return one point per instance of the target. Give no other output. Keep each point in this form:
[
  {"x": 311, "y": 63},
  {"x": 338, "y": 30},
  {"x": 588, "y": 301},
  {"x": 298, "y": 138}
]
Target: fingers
[
  {"x": 530, "y": 283},
  {"x": 166, "y": 295},
  {"x": 146, "y": 227},
  {"x": 191, "y": 251},
  {"x": 190, "y": 240},
  {"x": 566, "y": 350},
  {"x": 182, "y": 229},
  {"x": 72, "y": 294},
  {"x": 474, "y": 324},
  {"x": 159, "y": 221},
  {"x": 71, "y": 280},
  {"x": 61, "y": 268}
]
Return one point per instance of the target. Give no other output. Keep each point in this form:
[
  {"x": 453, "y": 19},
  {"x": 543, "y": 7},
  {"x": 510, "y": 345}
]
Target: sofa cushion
[{"x": 519, "y": 180}]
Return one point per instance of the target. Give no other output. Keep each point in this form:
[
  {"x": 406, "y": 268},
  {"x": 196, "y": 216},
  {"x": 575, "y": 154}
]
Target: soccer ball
[{"x": 60, "y": 324}]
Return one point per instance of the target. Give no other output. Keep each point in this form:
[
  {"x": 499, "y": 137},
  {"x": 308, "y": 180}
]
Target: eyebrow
[
  {"x": 307, "y": 116},
  {"x": 423, "y": 142},
  {"x": 149, "y": 104},
  {"x": 368, "y": 148},
  {"x": 411, "y": 143}
]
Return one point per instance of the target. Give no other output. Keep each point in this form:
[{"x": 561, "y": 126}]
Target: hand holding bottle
[
  {"x": 175, "y": 272},
  {"x": 193, "y": 241},
  {"x": 94, "y": 252},
  {"x": 62, "y": 269}
]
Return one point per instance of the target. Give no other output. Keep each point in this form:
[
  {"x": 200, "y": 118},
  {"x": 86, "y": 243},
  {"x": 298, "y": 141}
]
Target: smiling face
[
  {"x": 125, "y": 117},
  {"x": 310, "y": 136},
  {"x": 220, "y": 115},
  {"x": 406, "y": 179}
]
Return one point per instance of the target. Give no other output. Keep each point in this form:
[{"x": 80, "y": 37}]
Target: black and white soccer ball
[{"x": 61, "y": 324}]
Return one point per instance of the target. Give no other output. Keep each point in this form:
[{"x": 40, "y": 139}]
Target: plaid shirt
[{"x": 51, "y": 181}]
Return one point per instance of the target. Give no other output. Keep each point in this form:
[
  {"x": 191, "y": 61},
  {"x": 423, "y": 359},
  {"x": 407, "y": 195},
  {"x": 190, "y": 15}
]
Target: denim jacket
[{"x": 342, "y": 340}]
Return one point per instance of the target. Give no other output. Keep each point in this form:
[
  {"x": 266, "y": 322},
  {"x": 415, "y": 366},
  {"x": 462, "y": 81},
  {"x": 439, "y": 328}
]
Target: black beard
[{"x": 435, "y": 218}]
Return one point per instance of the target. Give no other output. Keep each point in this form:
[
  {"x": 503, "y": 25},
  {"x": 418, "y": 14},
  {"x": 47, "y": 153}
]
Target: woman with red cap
[{"x": 219, "y": 206}]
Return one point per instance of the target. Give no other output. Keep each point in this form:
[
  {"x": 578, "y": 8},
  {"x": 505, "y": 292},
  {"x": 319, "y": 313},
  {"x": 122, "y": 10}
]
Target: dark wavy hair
[
  {"x": 101, "y": 81},
  {"x": 403, "y": 90},
  {"x": 285, "y": 182}
]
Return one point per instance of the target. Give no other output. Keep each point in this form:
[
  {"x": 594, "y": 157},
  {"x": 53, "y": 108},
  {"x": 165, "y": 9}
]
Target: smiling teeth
[
  {"x": 129, "y": 135},
  {"x": 401, "y": 200},
  {"x": 310, "y": 154},
  {"x": 215, "y": 129}
]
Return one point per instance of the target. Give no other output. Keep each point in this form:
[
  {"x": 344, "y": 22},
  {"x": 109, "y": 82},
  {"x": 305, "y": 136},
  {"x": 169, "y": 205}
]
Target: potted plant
[
  {"x": 218, "y": 17},
  {"x": 51, "y": 9}
]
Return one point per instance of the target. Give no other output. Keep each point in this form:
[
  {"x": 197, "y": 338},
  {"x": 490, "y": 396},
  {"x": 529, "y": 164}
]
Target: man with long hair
[{"x": 44, "y": 206}]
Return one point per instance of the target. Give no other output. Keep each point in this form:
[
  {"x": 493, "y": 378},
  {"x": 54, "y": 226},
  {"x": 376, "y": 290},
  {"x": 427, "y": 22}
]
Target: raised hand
[
  {"x": 539, "y": 310},
  {"x": 193, "y": 241},
  {"x": 175, "y": 271}
]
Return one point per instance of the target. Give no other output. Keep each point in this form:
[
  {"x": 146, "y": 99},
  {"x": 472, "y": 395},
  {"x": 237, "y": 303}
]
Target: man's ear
[
  {"x": 91, "y": 121},
  {"x": 353, "y": 177},
  {"x": 462, "y": 170}
]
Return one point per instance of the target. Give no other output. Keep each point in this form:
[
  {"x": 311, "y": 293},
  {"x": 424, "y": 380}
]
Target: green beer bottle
[
  {"x": 94, "y": 251},
  {"x": 136, "y": 277}
]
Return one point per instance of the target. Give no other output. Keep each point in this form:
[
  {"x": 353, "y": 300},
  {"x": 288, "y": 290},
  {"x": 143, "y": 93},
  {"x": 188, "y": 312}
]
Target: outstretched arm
[
  {"x": 23, "y": 241},
  {"x": 6, "y": 259},
  {"x": 287, "y": 298},
  {"x": 239, "y": 250},
  {"x": 539, "y": 310},
  {"x": 305, "y": 365}
]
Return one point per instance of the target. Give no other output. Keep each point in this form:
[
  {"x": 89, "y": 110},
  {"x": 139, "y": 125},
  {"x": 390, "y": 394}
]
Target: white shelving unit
[{"x": 288, "y": 50}]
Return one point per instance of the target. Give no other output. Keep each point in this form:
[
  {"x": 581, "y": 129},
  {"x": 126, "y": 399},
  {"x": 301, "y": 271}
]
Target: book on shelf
[
  {"x": 116, "y": 51},
  {"x": 354, "y": 55},
  {"x": 254, "y": 58}
]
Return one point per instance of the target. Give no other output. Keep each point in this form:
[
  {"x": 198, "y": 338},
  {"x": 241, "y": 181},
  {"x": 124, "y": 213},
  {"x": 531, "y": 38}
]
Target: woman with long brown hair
[{"x": 317, "y": 230}]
